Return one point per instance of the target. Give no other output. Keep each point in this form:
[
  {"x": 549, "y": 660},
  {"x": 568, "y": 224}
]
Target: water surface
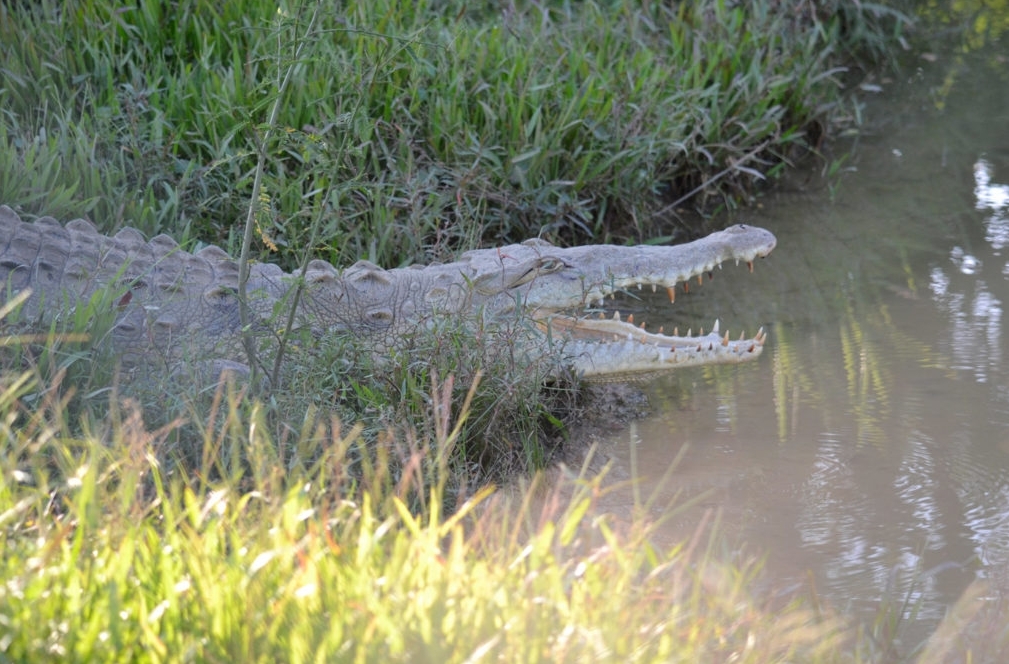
[{"x": 867, "y": 451}]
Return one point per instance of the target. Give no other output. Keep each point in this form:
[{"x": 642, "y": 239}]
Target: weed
[
  {"x": 109, "y": 556},
  {"x": 408, "y": 131}
]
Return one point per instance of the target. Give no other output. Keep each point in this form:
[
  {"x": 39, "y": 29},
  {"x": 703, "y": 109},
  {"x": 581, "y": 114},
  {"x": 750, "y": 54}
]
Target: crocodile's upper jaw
[{"x": 610, "y": 348}]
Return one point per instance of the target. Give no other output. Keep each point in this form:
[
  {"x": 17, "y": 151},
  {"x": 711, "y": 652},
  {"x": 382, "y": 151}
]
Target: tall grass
[
  {"x": 415, "y": 128},
  {"x": 108, "y": 558}
]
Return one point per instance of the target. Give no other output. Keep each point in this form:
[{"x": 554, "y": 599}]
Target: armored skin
[{"x": 172, "y": 307}]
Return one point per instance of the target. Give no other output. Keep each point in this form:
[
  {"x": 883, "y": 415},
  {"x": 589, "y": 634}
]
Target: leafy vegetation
[
  {"x": 108, "y": 557},
  {"x": 410, "y": 130}
]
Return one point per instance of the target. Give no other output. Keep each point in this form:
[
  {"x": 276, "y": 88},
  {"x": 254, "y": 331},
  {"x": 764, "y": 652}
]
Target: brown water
[{"x": 867, "y": 451}]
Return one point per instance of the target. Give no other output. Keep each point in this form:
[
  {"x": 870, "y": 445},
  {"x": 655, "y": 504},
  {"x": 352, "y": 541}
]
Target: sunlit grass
[{"x": 107, "y": 558}]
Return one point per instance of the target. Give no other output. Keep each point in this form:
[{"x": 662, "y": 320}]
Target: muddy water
[{"x": 867, "y": 451}]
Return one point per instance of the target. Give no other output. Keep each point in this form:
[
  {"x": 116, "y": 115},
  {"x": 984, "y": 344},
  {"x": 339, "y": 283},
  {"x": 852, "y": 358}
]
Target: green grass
[
  {"x": 108, "y": 558},
  {"x": 415, "y": 129}
]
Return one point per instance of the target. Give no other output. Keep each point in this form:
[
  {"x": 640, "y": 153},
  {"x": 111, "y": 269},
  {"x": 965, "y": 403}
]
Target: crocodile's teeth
[
  {"x": 690, "y": 332},
  {"x": 655, "y": 287},
  {"x": 725, "y": 339},
  {"x": 749, "y": 264},
  {"x": 701, "y": 334},
  {"x": 700, "y": 279},
  {"x": 714, "y": 328},
  {"x": 671, "y": 291},
  {"x": 630, "y": 318},
  {"x": 616, "y": 316},
  {"x": 686, "y": 286}
]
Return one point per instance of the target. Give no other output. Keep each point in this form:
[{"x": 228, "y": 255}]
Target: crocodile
[{"x": 171, "y": 307}]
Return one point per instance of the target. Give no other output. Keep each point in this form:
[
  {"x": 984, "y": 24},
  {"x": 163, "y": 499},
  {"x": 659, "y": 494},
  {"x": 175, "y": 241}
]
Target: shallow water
[{"x": 867, "y": 451}]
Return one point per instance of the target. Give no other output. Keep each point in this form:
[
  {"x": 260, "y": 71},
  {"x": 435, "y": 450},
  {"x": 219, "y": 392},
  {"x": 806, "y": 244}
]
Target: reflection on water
[
  {"x": 993, "y": 198},
  {"x": 973, "y": 311},
  {"x": 869, "y": 446},
  {"x": 975, "y": 317}
]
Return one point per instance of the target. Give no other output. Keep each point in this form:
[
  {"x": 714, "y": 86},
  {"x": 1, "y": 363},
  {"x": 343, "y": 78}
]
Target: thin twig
[
  {"x": 690, "y": 194},
  {"x": 248, "y": 338}
]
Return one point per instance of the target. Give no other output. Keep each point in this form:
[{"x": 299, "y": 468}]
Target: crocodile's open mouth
[{"x": 599, "y": 332}]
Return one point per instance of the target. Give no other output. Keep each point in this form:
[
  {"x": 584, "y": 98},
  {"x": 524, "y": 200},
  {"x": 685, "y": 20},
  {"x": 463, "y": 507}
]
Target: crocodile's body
[{"x": 172, "y": 307}]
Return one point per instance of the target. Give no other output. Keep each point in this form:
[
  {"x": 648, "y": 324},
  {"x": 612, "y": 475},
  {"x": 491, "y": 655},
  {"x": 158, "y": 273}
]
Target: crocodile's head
[{"x": 558, "y": 288}]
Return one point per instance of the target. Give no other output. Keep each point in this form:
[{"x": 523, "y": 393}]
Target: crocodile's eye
[
  {"x": 548, "y": 265},
  {"x": 542, "y": 266}
]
